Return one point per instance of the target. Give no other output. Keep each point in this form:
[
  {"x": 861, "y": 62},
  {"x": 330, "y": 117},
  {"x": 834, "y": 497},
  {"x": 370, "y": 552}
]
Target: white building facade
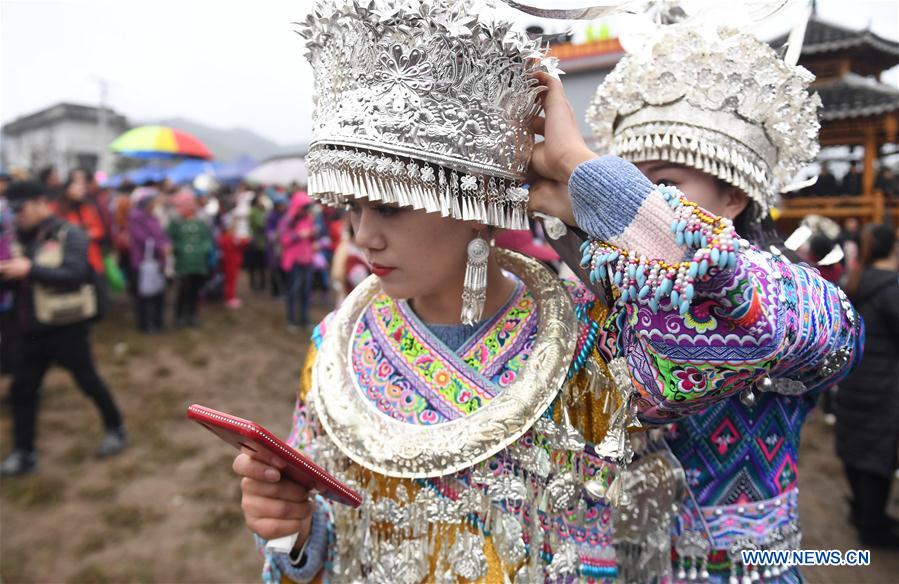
[{"x": 65, "y": 136}]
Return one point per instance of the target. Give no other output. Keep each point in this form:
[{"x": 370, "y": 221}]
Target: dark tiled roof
[
  {"x": 853, "y": 96},
  {"x": 825, "y": 37}
]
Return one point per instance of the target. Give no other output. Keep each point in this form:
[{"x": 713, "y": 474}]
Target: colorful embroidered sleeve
[{"x": 701, "y": 313}]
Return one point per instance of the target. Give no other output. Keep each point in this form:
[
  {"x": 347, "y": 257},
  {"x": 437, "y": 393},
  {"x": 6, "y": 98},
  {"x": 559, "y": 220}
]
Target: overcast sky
[{"x": 224, "y": 63}]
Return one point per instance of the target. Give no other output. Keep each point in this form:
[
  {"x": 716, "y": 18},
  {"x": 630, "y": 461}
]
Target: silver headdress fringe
[
  {"x": 336, "y": 174},
  {"x": 723, "y": 103},
  {"x": 423, "y": 103}
]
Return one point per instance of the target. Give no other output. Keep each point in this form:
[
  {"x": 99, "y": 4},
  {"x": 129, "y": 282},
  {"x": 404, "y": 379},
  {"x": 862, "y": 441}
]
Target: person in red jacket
[
  {"x": 231, "y": 248},
  {"x": 74, "y": 208}
]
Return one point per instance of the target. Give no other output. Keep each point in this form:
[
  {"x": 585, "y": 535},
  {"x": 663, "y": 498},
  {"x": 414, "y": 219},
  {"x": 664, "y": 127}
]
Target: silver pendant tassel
[{"x": 474, "y": 291}]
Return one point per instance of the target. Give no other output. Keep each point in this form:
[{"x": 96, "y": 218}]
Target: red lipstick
[{"x": 380, "y": 270}]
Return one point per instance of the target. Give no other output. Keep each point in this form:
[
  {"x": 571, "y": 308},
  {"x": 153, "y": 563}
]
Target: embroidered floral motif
[
  {"x": 690, "y": 380},
  {"x": 400, "y": 366},
  {"x": 504, "y": 340},
  {"x": 699, "y": 318},
  {"x": 693, "y": 475}
]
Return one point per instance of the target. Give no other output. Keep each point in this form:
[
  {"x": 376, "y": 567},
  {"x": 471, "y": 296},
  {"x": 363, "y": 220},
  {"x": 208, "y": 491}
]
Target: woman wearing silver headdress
[
  {"x": 482, "y": 405},
  {"x": 718, "y": 115}
]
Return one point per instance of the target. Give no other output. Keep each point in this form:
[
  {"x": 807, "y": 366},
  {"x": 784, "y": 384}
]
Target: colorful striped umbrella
[{"x": 159, "y": 142}]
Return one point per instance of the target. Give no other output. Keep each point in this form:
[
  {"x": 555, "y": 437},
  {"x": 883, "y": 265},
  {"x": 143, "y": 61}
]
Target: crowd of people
[
  {"x": 149, "y": 243},
  {"x": 850, "y": 183},
  {"x": 146, "y": 239}
]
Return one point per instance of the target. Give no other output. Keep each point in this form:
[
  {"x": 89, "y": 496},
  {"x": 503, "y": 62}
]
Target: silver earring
[{"x": 474, "y": 292}]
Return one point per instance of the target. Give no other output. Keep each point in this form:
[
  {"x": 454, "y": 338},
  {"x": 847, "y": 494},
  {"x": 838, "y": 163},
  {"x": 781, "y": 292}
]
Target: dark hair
[
  {"x": 25, "y": 190},
  {"x": 44, "y": 175},
  {"x": 820, "y": 245},
  {"x": 71, "y": 178},
  {"x": 757, "y": 229},
  {"x": 64, "y": 204},
  {"x": 877, "y": 243}
]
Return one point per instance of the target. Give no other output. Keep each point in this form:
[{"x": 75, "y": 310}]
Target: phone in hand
[{"x": 242, "y": 433}]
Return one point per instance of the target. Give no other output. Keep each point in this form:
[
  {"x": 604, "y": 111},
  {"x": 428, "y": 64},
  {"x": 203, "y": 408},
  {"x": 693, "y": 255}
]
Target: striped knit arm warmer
[{"x": 615, "y": 203}]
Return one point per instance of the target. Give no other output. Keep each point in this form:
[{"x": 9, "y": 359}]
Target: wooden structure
[
  {"x": 595, "y": 54},
  {"x": 858, "y": 110}
]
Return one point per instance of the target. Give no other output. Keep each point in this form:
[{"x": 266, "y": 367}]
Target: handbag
[
  {"x": 150, "y": 280},
  {"x": 114, "y": 276},
  {"x": 55, "y": 307}
]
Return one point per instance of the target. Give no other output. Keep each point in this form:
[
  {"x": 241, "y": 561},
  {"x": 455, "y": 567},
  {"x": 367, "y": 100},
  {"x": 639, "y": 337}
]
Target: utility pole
[{"x": 102, "y": 137}]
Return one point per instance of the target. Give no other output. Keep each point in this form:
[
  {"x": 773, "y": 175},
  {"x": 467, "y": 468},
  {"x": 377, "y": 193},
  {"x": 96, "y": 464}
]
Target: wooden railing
[
  {"x": 867, "y": 208},
  {"x": 891, "y": 210}
]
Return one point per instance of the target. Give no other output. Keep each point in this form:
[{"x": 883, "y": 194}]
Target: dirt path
[{"x": 167, "y": 509}]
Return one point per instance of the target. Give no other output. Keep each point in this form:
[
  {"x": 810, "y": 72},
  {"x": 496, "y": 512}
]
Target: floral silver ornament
[
  {"x": 569, "y": 437},
  {"x": 474, "y": 289},
  {"x": 563, "y": 491},
  {"x": 482, "y": 475},
  {"x": 533, "y": 459},
  {"x": 469, "y": 183},
  {"x": 616, "y": 444},
  {"x": 547, "y": 428},
  {"x": 437, "y": 508},
  {"x": 444, "y": 83},
  {"x": 403, "y": 564},
  {"x": 507, "y": 488},
  {"x": 467, "y": 556},
  {"x": 384, "y": 511},
  {"x": 565, "y": 562},
  {"x": 507, "y": 536},
  {"x": 472, "y": 500}
]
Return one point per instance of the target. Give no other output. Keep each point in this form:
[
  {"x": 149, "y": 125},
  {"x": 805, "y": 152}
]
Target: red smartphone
[{"x": 244, "y": 433}]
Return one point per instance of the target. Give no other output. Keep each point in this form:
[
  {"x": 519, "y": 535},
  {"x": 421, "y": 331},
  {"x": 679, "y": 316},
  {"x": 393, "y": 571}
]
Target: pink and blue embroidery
[{"x": 408, "y": 374}]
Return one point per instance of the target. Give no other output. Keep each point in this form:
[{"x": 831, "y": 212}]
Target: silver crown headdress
[
  {"x": 723, "y": 103},
  {"x": 423, "y": 104}
]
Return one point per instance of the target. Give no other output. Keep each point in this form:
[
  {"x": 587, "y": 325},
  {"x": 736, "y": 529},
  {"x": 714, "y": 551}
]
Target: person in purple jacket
[
  {"x": 273, "y": 244},
  {"x": 149, "y": 242}
]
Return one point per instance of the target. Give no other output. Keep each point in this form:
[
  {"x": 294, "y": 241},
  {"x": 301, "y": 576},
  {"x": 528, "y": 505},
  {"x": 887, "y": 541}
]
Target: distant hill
[{"x": 227, "y": 145}]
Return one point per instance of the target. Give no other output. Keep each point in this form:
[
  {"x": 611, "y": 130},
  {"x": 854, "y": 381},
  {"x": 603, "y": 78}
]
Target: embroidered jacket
[{"x": 740, "y": 461}]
